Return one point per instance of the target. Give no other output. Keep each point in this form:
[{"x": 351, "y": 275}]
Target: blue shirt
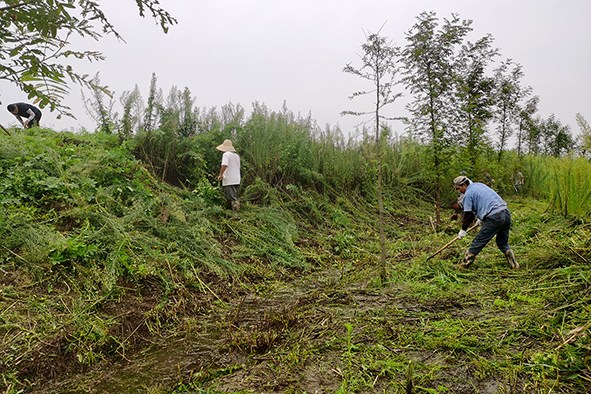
[{"x": 482, "y": 200}]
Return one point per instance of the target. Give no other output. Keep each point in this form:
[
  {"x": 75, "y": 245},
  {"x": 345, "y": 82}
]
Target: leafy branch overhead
[{"x": 35, "y": 39}]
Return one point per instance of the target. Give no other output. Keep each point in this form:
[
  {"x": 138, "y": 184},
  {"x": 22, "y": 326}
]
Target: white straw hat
[{"x": 226, "y": 146}]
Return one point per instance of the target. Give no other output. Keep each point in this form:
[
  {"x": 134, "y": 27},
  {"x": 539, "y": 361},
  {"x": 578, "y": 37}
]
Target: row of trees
[{"x": 460, "y": 98}]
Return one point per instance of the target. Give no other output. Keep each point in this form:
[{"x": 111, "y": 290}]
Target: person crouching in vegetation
[
  {"x": 28, "y": 111},
  {"x": 230, "y": 173},
  {"x": 458, "y": 205},
  {"x": 484, "y": 203}
]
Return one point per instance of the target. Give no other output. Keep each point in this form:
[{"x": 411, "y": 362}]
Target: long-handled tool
[
  {"x": 449, "y": 243},
  {"x": 4, "y": 129}
]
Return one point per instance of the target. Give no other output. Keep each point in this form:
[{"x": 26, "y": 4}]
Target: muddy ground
[{"x": 324, "y": 333}]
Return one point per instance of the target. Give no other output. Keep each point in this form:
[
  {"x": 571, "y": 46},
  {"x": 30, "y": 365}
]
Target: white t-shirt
[{"x": 232, "y": 174}]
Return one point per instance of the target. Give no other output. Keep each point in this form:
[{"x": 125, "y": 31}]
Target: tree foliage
[
  {"x": 557, "y": 139},
  {"x": 473, "y": 96},
  {"x": 100, "y": 107},
  {"x": 35, "y": 39},
  {"x": 526, "y": 123},
  {"x": 132, "y": 104},
  {"x": 508, "y": 95},
  {"x": 430, "y": 74}
]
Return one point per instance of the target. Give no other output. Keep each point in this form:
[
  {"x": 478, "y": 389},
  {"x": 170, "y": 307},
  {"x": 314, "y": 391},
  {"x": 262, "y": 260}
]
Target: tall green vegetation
[
  {"x": 561, "y": 181},
  {"x": 378, "y": 58}
]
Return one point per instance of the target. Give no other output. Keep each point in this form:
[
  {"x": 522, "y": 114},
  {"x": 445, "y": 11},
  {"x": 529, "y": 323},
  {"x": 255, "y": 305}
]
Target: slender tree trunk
[
  {"x": 435, "y": 143},
  {"x": 379, "y": 188},
  {"x": 503, "y": 137}
]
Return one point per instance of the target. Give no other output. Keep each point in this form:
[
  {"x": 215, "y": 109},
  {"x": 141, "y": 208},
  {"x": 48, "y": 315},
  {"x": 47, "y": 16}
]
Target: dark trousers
[
  {"x": 231, "y": 192},
  {"x": 497, "y": 224}
]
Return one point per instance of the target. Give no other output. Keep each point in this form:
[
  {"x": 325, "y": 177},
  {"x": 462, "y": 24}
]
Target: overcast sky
[{"x": 275, "y": 51}]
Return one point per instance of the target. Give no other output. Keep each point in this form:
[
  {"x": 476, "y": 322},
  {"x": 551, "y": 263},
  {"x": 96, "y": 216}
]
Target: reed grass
[{"x": 564, "y": 182}]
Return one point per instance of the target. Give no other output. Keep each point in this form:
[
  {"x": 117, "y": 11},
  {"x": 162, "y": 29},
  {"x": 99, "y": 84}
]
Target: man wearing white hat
[
  {"x": 485, "y": 204},
  {"x": 230, "y": 173}
]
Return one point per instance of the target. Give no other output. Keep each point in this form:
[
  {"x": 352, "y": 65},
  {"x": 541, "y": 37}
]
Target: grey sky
[{"x": 273, "y": 51}]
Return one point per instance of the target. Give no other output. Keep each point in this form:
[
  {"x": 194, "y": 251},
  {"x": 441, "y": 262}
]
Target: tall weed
[{"x": 564, "y": 182}]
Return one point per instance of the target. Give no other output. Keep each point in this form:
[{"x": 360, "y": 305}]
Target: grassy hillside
[{"x": 101, "y": 257}]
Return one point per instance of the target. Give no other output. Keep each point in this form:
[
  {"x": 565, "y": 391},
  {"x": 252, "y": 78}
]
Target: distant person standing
[
  {"x": 230, "y": 173},
  {"x": 518, "y": 181},
  {"x": 31, "y": 114}
]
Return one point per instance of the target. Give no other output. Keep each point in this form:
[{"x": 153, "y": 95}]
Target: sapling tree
[
  {"x": 187, "y": 115},
  {"x": 526, "y": 122},
  {"x": 378, "y": 66},
  {"x": 131, "y": 101},
  {"x": 430, "y": 70},
  {"x": 35, "y": 38},
  {"x": 170, "y": 111},
  {"x": 100, "y": 107},
  {"x": 534, "y": 135},
  {"x": 154, "y": 106}
]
